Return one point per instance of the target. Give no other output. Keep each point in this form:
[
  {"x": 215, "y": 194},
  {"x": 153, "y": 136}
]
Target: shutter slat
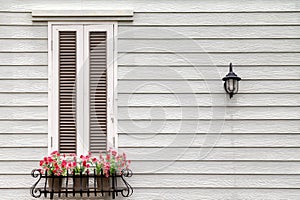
[
  {"x": 67, "y": 92},
  {"x": 98, "y": 91}
]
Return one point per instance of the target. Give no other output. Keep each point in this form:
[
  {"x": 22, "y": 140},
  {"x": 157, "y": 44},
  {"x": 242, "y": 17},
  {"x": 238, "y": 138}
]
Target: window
[{"x": 82, "y": 82}]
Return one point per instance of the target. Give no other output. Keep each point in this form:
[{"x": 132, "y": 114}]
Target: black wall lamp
[{"x": 231, "y": 84}]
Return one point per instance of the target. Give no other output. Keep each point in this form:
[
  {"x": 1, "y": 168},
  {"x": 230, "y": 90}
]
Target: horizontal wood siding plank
[
  {"x": 23, "y": 45},
  {"x": 15, "y": 18},
  {"x": 183, "y": 181},
  {"x": 174, "y": 167},
  {"x": 226, "y": 181},
  {"x": 232, "y": 154},
  {"x": 212, "y": 167},
  {"x": 216, "y": 126},
  {"x": 128, "y": 31},
  {"x": 16, "y": 113},
  {"x": 24, "y": 127},
  {"x": 207, "y": 113},
  {"x": 169, "y": 154},
  {"x": 209, "y": 141},
  {"x": 169, "y": 59},
  {"x": 207, "y": 72},
  {"x": 212, "y": 45},
  {"x": 23, "y": 32},
  {"x": 164, "y": 6},
  {"x": 202, "y": 59},
  {"x": 15, "y": 72},
  {"x": 173, "y": 99},
  {"x": 22, "y": 154},
  {"x": 26, "y": 140},
  {"x": 184, "y": 85},
  {"x": 23, "y": 85},
  {"x": 180, "y": 45},
  {"x": 19, "y": 99},
  {"x": 215, "y": 18},
  {"x": 17, "y": 167},
  {"x": 215, "y": 194},
  {"x": 24, "y": 58},
  {"x": 185, "y": 193},
  {"x": 22, "y": 194},
  {"x": 182, "y": 18}
]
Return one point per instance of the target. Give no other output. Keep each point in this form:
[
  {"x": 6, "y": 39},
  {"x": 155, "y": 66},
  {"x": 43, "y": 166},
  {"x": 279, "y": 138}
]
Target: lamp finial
[{"x": 230, "y": 67}]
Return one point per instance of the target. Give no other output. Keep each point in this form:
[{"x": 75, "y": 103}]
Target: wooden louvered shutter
[
  {"x": 82, "y": 88},
  {"x": 67, "y": 91},
  {"x": 98, "y": 91}
]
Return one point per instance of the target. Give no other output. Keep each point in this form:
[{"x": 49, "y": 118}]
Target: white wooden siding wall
[{"x": 257, "y": 156}]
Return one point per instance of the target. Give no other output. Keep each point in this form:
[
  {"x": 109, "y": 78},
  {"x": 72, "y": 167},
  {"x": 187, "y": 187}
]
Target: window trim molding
[
  {"x": 112, "y": 137},
  {"x": 82, "y": 15}
]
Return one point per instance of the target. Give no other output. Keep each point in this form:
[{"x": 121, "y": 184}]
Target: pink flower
[
  {"x": 74, "y": 164},
  {"x": 114, "y": 153},
  {"x": 107, "y": 165},
  {"x": 64, "y": 163},
  {"x": 107, "y": 156}
]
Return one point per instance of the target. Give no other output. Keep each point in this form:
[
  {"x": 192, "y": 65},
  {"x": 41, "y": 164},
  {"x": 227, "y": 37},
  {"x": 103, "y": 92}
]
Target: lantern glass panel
[
  {"x": 235, "y": 86},
  {"x": 230, "y": 85}
]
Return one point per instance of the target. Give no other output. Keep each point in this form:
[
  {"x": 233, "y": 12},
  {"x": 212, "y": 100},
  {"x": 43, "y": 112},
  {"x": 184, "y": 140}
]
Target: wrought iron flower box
[{"x": 83, "y": 185}]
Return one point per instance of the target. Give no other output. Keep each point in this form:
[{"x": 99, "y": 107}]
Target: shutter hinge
[
  {"x": 51, "y": 142},
  {"x": 114, "y": 141}
]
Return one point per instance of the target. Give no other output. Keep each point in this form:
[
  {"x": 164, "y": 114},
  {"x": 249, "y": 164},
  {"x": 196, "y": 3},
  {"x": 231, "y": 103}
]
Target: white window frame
[{"x": 82, "y": 111}]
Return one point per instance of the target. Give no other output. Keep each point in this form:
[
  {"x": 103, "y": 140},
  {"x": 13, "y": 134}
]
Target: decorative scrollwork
[
  {"x": 128, "y": 190},
  {"x": 36, "y": 192},
  {"x": 127, "y": 173}
]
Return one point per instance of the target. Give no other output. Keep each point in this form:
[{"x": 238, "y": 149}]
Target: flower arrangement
[
  {"x": 54, "y": 165},
  {"x": 114, "y": 162},
  {"x": 80, "y": 165},
  {"x": 108, "y": 163}
]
